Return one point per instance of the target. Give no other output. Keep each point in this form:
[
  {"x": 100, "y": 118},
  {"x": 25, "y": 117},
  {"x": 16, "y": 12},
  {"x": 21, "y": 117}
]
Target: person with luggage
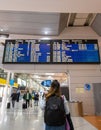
[
  {"x": 56, "y": 109},
  {"x": 27, "y": 97},
  {"x": 18, "y": 95},
  {"x": 13, "y": 98},
  {"x": 36, "y": 98}
]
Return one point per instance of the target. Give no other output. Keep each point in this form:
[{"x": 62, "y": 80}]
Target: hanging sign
[
  {"x": 46, "y": 83},
  {"x": 87, "y": 87},
  {"x": 11, "y": 82}
]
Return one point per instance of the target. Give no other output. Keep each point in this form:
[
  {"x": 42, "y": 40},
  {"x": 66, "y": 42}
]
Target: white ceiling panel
[
  {"x": 29, "y": 23},
  {"x": 79, "y": 22},
  {"x": 30, "y": 31},
  {"x": 29, "y": 16},
  {"x": 82, "y": 15},
  {"x": 37, "y": 23}
]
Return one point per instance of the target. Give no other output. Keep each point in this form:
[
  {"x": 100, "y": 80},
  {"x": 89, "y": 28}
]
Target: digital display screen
[
  {"x": 75, "y": 51},
  {"x": 27, "y": 51},
  {"x": 51, "y": 51}
]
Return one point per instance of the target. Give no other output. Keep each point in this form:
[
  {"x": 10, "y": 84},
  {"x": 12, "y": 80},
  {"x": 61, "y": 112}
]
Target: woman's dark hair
[
  {"x": 55, "y": 84},
  {"x": 54, "y": 89}
]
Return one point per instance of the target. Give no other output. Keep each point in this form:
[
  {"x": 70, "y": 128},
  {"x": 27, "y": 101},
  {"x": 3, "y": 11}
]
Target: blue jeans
[{"x": 55, "y": 127}]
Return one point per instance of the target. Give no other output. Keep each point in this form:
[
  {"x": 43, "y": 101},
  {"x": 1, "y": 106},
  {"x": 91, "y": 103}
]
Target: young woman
[{"x": 52, "y": 101}]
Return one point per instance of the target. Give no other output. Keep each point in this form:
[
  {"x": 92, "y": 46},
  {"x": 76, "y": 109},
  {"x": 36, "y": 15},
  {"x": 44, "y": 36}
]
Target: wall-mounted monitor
[
  {"x": 75, "y": 51},
  {"x": 27, "y": 51},
  {"x": 51, "y": 52}
]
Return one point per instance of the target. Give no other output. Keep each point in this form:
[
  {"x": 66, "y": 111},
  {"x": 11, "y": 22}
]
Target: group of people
[
  {"x": 55, "y": 106},
  {"x": 27, "y": 98}
]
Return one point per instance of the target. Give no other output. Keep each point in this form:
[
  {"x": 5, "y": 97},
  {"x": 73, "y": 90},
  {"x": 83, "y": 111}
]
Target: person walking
[
  {"x": 13, "y": 98},
  {"x": 36, "y": 98},
  {"x": 56, "y": 109},
  {"x": 27, "y": 97},
  {"x": 18, "y": 95}
]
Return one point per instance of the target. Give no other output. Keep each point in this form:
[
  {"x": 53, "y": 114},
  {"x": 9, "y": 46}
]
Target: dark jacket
[
  {"x": 14, "y": 96},
  {"x": 25, "y": 96}
]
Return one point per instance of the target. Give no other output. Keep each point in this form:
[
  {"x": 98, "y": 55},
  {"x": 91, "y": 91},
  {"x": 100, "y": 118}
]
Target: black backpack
[{"x": 54, "y": 114}]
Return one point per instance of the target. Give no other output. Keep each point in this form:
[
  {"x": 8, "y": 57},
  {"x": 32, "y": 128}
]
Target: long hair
[{"x": 54, "y": 89}]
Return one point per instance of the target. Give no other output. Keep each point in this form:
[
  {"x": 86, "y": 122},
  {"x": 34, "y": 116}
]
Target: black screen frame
[
  {"x": 93, "y": 41},
  {"x": 27, "y": 43}
]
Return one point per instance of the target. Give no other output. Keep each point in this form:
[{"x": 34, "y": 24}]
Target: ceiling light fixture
[
  {"x": 45, "y": 38},
  {"x": 1, "y": 30},
  {"x": 49, "y": 74},
  {"x": 46, "y": 32}
]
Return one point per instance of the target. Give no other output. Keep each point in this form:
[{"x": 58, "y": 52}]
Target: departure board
[
  {"x": 27, "y": 51},
  {"x": 75, "y": 51},
  {"x": 51, "y": 51}
]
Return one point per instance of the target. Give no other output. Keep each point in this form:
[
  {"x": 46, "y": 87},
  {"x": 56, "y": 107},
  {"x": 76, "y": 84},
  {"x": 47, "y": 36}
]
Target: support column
[
  {"x": 12, "y": 78},
  {"x": 4, "y": 98},
  {"x": 68, "y": 76}
]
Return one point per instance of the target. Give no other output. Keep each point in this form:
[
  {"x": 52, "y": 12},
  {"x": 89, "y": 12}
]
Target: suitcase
[
  {"x": 24, "y": 106},
  {"x": 8, "y": 105}
]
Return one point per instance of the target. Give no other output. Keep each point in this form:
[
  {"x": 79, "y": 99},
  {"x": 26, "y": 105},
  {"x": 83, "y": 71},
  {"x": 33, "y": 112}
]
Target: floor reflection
[{"x": 32, "y": 119}]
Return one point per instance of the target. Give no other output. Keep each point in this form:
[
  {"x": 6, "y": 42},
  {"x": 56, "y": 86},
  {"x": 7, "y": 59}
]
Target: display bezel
[
  {"x": 84, "y": 41},
  {"x": 37, "y": 42},
  {"x": 94, "y": 41}
]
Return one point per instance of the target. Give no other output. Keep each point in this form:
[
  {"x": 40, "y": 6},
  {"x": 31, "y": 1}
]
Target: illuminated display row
[
  {"x": 51, "y": 51},
  {"x": 25, "y": 51}
]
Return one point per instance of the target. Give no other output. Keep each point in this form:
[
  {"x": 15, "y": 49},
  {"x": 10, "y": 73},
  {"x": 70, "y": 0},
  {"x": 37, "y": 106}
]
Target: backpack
[
  {"x": 54, "y": 114},
  {"x": 14, "y": 96},
  {"x": 36, "y": 97}
]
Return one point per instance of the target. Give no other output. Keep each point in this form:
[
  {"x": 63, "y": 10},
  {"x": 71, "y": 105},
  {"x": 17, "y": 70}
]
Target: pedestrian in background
[
  {"x": 14, "y": 98},
  {"x": 27, "y": 97}
]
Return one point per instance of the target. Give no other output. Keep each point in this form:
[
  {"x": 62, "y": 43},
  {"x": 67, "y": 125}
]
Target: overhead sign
[
  {"x": 11, "y": 82},
  {"x": 46, "y": 83},
  {"x": 4, "y": 82},
  {"x": 87, "y": 87}
]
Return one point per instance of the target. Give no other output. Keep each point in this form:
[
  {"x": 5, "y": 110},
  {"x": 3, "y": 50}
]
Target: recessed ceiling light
[
  {"x": 50, "y": 77},
  {"x": 45, "y": 38},
  {"x": 1, "y": 30},
  {"x": 49, "y": 74},
  {"x": 46, "y": 32}
]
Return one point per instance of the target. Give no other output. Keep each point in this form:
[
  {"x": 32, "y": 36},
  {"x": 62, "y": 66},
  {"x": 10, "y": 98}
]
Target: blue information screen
[
  {"x": 66, "y": 51},
  {"x": 27, "y": 51},
  {"x": 51, "y": 51}
]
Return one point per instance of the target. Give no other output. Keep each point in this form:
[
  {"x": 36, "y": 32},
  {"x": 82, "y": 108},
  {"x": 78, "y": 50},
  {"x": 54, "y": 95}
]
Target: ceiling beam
[
  {"x": 63, "y": 22},
  {"x": 89, "y": 19},
  {"x": 72, "y": 18}
]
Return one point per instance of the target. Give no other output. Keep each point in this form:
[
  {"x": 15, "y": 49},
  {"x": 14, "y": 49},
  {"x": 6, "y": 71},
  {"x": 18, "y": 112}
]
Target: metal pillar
[{"x": 4, "y": 98}]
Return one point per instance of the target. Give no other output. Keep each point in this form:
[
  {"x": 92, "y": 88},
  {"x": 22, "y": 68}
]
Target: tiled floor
[{"x": 32, "y": 119}]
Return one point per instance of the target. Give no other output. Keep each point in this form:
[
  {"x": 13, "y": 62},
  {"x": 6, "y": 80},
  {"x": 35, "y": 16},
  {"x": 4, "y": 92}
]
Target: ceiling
[
  {"x": 35, "y": 23},
  {"x": 49, "y": 24},
  {"x": 63, "y": 78}
]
